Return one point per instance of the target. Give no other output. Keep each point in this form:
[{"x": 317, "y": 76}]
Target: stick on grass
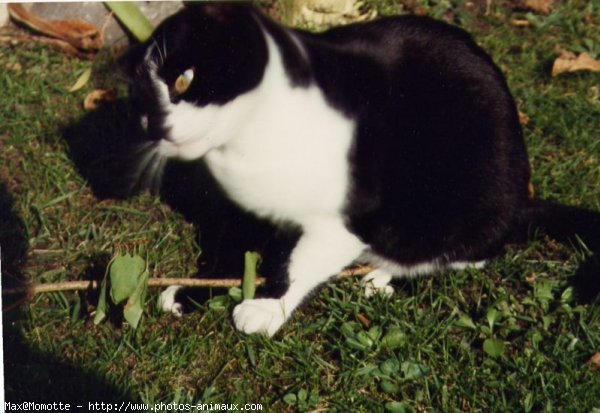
[{"x": 32, "y": 290}]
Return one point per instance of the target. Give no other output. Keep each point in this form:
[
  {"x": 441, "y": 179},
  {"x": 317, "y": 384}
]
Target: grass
[{"x": 421, "y": 350}]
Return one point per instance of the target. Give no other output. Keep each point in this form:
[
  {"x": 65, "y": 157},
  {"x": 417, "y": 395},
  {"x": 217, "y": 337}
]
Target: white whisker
[
  {"x": 146, "y": 174},
  {"x": 158, "y": 171},
  {"x": 142, "y": 158},
  {"x": 160, "y": 53},
  {"x": 164, "y": 48},
  {"x": 143, "y": 148}
]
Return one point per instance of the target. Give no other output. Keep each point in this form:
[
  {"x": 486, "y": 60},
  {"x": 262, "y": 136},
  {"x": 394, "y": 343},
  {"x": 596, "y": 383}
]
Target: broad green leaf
[
  {"x": 466, "y": 322},
  {"x": 390, "y": 367},
  {"x": 364, "y": 339},
  {"x": 235, "y": 293},
  {"x": 125, "y": 271},
  {"x": 542, "y": 290},
  {"x": 493, "y": 347},
  {"x": 132, "y": 19},
  {"x": 567, "y": 295},
  {"x": 349, "y": 328},
  {"x": 398, "y": 407},
  {"x": 374, "y": 333},
  {"x": 251, "y": 260},
  {"x": 355, "y": 344},
  {"x": 218, "y": 303},
  {"x": 389, "y": 387},
  {"x": 412, "y": 370},
  {"x": 492, "y": 316},
  {"x": 536, "y": 338},
  {"x": 290, "y": 399},
  {"x": 135, "y": 305},
  {"x": 394, "y": 338}
]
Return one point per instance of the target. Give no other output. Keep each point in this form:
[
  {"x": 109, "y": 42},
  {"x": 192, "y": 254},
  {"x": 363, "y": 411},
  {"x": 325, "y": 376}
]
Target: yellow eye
[{"x": 183, "y": 82}]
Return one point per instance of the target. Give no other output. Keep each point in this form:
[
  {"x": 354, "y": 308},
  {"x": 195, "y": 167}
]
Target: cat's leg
[
  {"x": 323, "y": 250},
  {"x": 168, "y": 302},
  {"x": 377, "y": 282}
]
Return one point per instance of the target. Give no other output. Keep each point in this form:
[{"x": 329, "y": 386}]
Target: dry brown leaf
[
  {"x": 530, "y": 190},
  {"x": 588, "y": 18},
  {"x": 523, "y": 118},
  {"x": 363, "y": 320},
  {"x": 15, "y": 67},
  {"x": 568, "y": 62},
  {"x": 57, "y": 43},
  {"x": 595, "y": 361},
  {"x": 96, "y": 97},
  {"x": 539, "y": 6},
  {"x": 531, "y": 278},
  {"x": 521, "y": 22},
  {"x": 77, "y": 33}
]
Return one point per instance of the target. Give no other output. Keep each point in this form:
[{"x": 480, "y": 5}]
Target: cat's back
[{"x": 387, "y": 38}]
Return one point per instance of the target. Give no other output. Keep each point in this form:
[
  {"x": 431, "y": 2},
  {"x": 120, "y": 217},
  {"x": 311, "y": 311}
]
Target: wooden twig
[
  {"x": 31, "y": 290},
  {"x": 357, "y": 271},
  {"x": 152, "y": 282}
]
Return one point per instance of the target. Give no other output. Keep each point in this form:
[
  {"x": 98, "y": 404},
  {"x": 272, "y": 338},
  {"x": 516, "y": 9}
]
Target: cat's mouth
[
  {"x": 176, "y": 150},
  {"x": 186, "y": 150},
  {"x": 164, "y": 146}
]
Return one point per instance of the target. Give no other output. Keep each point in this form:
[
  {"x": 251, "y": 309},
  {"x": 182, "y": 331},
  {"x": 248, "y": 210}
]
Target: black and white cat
[{"x": 394, "y": 142}]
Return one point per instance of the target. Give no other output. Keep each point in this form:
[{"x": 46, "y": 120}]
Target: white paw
[
  {"x": 259, "y": 315},
  {"x": 464, "y": 265},
  {"x": 377, "y": 282},
  {"x": 167, "y": 302}
]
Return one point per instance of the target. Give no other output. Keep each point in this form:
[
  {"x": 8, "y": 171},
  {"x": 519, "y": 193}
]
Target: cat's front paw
[
  {"x": 259, "y": 315},
  {"x": 168, "y": 302},
  {"x": 377, "y": 282}
]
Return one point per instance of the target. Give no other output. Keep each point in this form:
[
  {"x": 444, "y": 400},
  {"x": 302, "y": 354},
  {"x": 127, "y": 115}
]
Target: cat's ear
[{"x": 219, "y": 10}]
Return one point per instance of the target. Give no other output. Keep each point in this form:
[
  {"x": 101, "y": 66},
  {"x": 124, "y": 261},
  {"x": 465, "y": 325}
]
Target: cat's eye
[{"x": 183, "y": 82}]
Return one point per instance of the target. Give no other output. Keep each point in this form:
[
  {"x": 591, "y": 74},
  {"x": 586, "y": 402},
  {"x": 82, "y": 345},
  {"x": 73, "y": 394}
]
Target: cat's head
[{"x": 196, "y": 63}]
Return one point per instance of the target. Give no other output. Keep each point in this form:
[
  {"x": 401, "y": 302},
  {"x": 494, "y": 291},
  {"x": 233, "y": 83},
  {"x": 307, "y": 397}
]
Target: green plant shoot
[
  {"x": 251, "y": 262},
  {"x": 132, "y": 19}
]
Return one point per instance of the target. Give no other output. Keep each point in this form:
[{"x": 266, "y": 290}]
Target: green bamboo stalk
[{"x": 132, "y": 19}]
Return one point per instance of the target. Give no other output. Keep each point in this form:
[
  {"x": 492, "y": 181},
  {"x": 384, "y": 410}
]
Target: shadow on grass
[{"x": 30, "y": 375}]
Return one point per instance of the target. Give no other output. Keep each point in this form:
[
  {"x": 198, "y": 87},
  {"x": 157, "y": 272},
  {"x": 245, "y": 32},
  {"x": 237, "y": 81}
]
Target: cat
[{"x": 394, "y": 142}]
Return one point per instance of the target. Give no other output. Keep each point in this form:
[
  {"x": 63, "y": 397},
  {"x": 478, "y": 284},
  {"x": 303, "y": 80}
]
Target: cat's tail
[
  {"x": 568, "y": 224},
  {"x": 562, "y": 223}
]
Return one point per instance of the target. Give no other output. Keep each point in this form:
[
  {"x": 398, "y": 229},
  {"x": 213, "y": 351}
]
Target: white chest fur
[{"x": 288, "y": 158}]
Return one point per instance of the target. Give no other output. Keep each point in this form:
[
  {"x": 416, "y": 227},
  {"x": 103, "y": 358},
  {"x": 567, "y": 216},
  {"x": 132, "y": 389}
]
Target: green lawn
[{"x": 421, "y": 350}]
